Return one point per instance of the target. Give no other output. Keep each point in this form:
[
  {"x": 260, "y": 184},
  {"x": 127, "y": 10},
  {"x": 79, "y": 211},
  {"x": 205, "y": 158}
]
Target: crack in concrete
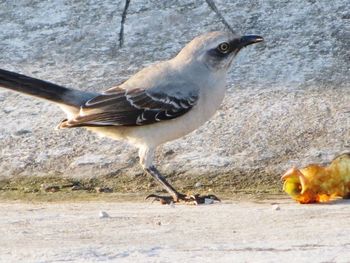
[
  {"x": 213, "y": 7},
  {"x": 122, "y": 22}
]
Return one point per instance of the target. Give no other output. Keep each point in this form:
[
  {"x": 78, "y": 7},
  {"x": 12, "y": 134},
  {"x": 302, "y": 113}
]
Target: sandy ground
[{"x": 244, "y": 231}]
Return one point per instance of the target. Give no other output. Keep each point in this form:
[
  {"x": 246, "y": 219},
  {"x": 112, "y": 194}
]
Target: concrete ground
[{"x": 236, "y": 231}]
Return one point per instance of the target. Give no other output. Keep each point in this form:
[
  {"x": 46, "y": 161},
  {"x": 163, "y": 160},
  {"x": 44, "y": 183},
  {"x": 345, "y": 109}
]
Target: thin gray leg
[
  {"x": 146, "y": 160},
  {"x": 146, "y": 155},
  {"x": 160, "y": 179}
]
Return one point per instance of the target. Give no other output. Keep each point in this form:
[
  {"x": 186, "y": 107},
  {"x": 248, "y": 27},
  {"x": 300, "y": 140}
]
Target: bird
[{"x": 158, "y": 104}]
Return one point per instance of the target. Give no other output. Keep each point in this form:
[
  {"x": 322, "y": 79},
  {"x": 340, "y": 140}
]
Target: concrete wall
[{"x": 288, "y": 100}]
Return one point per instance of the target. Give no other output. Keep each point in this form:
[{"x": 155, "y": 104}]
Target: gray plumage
[{"x": 158, "y": 104}]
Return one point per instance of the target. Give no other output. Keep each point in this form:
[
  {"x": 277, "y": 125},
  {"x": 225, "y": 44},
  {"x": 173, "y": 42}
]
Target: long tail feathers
[{"x": 43, "y": 89}]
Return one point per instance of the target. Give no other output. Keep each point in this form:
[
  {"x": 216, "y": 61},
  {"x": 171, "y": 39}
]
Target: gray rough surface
[
  {"x": 237, "y": 232},
  {"x": 288, "y": 100}
]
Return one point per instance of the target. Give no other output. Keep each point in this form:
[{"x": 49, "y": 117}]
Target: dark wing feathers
[{"x": 134, "y": 107}]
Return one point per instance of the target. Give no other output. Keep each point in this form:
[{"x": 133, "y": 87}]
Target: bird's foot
[{"x": 187, "y": 199}]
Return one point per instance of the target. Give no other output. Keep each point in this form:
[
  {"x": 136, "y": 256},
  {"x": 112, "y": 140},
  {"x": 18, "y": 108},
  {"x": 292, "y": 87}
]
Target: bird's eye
[{"x": 224, "y": 47}]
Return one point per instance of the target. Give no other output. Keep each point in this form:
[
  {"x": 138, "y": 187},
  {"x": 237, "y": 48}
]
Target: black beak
[{"x": 248, "y": 40}]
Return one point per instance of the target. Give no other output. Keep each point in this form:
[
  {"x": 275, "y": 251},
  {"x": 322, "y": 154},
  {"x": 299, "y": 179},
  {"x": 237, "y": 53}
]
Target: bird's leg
[
  {"x": 175, "y": 195},
  {"x": 146, "y": 160}
]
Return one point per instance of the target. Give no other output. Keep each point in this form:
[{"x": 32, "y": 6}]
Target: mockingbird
[{"x": 158, "y": 104}]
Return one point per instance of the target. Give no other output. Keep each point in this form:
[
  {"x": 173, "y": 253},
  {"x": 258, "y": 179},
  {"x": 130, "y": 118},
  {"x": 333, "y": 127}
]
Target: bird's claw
[
  {"x": 205, "y": 199},
  {"x": 187, "y": 199}
]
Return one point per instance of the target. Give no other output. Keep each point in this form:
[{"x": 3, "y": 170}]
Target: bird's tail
[{"x": 43, "y": 89}]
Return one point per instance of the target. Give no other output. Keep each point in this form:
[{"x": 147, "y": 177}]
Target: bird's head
[{"x": 216, "y": 50}]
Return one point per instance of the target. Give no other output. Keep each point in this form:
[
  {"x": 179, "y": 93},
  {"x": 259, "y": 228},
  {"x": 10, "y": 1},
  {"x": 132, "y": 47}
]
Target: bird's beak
[{"x": 248, "y": 40}]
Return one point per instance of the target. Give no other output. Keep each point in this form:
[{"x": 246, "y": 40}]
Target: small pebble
[
  {"x": 103, "y": 214},
  {"x": 276, "y": 207},
  {"x": 198, "y": 184},
  {"x": 208, "y": 201}
]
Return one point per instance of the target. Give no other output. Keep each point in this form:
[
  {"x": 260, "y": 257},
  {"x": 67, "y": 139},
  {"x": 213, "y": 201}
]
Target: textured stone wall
[{"x": 288, "y": 100}]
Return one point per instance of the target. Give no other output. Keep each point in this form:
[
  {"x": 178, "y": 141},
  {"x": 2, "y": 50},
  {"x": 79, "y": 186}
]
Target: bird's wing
[{"x": 134, "y": 107}]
